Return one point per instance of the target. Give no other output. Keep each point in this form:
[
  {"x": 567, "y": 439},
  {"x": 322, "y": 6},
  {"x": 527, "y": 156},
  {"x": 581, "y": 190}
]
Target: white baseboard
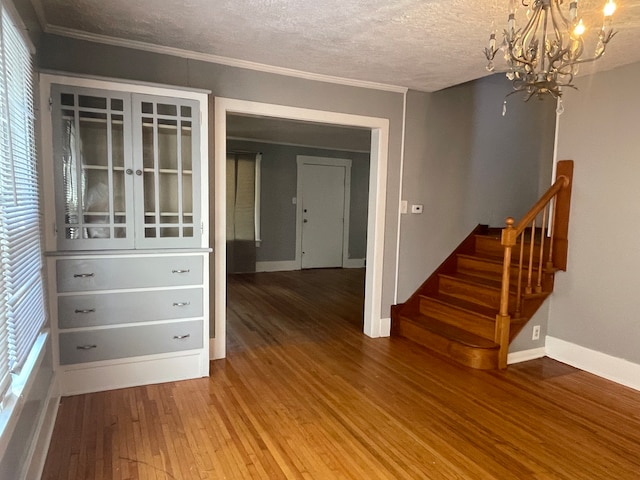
[
  {"x": 612, "y": 368},
  {"x": 353, "y": 263},
  {"x": 526, "y": 355},
  {"x": 143, "y": 371},
  {"x": 291, "y": 265},
  {"x": 216, "y": 353},
  {"x": 385, "y": 327},
  {"x": 285, "y": 266}
]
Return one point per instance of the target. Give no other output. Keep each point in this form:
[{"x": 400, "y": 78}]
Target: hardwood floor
[{"x": 303, "y": 394}]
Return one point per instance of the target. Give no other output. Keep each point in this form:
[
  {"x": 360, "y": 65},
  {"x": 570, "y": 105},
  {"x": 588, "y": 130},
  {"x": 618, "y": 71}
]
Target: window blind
[{"x": 22, "y": 313}]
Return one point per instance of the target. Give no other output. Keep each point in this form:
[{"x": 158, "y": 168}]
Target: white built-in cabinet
[{"x": 125, "y": 182}]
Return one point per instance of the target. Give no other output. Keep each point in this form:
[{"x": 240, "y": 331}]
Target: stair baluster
[{"x": 558, "y": 195}]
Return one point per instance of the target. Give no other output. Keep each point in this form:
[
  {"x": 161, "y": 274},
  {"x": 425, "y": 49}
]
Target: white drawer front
[
  {"x": 123, "y": 342},
  {"x": 75, "y": 275},
  {"x": 131, "y": 307}
]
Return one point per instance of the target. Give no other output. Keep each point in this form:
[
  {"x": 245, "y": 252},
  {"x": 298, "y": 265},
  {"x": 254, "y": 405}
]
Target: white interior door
[{"x": 323, "y": 193}]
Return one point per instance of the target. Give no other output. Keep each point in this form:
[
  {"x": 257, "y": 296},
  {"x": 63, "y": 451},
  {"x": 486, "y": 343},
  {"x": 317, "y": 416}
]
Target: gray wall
[
  {"x": 279, "y": 184},
  {"x": 87, "y": 58},
  {"x": 596, "y": 303}
]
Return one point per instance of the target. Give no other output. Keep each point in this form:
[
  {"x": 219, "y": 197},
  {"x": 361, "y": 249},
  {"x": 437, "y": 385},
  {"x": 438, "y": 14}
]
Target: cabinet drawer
[
  {"x": 120, "y": 273},
  {"x": 113, "y": 308},
  {"x": 113, "y": 343}
]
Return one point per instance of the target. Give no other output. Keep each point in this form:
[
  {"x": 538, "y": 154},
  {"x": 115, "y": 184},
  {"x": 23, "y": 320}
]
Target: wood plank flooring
[{"x": 303, "y": 394}]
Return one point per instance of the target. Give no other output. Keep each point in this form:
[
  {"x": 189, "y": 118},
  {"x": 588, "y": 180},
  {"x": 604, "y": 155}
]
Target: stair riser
[
  {"x": 476, "y": 293},
  {"x": 493, "y": 247},
  {"x": 480, "y": 358},
  {"x": 487, "y": 269},
  {"x": 476, "y": 324}
]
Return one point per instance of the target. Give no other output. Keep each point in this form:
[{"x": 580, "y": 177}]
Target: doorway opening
[{"x": 379, "y": 131}]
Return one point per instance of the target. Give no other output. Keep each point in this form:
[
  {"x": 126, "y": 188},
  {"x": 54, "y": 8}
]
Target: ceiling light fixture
[{"x": 544, "y": 56}]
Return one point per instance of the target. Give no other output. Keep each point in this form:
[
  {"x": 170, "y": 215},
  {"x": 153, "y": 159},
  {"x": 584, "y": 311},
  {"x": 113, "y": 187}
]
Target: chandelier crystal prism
[{"x": 544, "y": 56}]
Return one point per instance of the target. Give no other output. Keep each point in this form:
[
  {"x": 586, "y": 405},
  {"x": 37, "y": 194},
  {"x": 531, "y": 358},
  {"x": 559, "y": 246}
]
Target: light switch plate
[{"x": 416, "y": 208}]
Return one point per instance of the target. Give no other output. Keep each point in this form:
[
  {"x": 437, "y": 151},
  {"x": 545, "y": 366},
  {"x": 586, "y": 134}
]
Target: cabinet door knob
[
  {"x": 129, "y": 171},
  {"x": 138, "y": 172},
  {"x": 86, "y": 347},
  {"x": 88, "y": 310},
  {"x": 181, "y": 337}
]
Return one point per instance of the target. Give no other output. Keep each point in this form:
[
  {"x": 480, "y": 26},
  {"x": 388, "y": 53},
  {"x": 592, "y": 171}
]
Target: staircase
[{"x": 484, "y": 293}]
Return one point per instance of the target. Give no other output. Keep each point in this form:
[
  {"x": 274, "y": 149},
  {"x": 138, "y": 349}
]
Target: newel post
[
  {"x": 562, "y": 207},
  {"x": 503, "y": 320}
]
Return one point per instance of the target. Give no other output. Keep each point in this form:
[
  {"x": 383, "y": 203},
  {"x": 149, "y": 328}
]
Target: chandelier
[{"x": 544, "y": 55}]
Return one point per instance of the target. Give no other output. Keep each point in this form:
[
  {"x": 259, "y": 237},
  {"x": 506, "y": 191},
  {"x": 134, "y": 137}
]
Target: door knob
[{"x": 305, "y": 220}]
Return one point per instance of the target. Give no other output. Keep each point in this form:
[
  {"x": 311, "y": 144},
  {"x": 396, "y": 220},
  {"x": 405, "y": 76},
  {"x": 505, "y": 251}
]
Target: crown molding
[{"x": 230, "y": 62}]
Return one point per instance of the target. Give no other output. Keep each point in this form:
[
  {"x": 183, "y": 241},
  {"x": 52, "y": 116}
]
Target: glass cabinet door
[
  {"x": 92, "y": 164},
  {"x": 167, "y": 159}
]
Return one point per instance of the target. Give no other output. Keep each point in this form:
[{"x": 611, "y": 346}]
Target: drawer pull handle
[
  {"x": 86, "y": 347},
  {"x": 83, "y": 275},
  {"x": 181, "y": 271},
  {"x": 181, "y": 304},
  {"x": 181, "y": 337},
  {"x": 87, "y": 310}
]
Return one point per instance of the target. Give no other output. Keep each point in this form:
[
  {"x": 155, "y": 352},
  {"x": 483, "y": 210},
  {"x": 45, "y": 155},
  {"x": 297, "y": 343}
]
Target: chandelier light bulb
[
  {"x": 609, "y": 8},
  {"x": 579, "y": 29}
]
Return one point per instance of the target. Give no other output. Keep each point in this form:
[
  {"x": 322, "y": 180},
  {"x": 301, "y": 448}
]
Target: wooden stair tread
[
  {"x": 499, "y": 260},
  {"x": 488, "y": 283},
  {"x": 473, "y": 280},
  {"x": 495, "y": 233},
  {"x": 465, "y": 305},
  {"x": 450, "y": 332}
]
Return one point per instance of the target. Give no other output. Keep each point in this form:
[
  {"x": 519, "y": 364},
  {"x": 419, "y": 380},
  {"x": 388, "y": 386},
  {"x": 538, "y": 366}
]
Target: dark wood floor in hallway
[{"x": 303, "y": 394}]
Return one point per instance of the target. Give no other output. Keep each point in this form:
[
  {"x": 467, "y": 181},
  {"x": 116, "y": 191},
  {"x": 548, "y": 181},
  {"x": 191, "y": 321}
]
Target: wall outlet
[{"x": 536, "y": 332}]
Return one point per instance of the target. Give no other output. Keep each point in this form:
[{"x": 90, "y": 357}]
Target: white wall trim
[
  {"x": 123, "y": 373},
  {"x": 400, "y": 198},
  {"x": 376, "y": 206},
  {"x": 601, "y": 364},
  {"x": 303, "y": 160},
  {"x": 354, "y": 263},
  {"x": 206, "y": 57},
  {"x": 526, "y": 355},
  {"x": 42, "y": 438},
  {"x": 385, "y": 327},
  {"x": 292, "y": 265},
  {"x": 283, "y": 266}
]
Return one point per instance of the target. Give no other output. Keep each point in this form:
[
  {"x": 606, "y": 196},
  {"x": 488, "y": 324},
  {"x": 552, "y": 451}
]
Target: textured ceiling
[{"x": 420, "y": 44}]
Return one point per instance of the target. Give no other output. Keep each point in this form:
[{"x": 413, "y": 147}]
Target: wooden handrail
[
  {"x": 530, "y": 216},
  {"x": 555, "y": 202}
]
